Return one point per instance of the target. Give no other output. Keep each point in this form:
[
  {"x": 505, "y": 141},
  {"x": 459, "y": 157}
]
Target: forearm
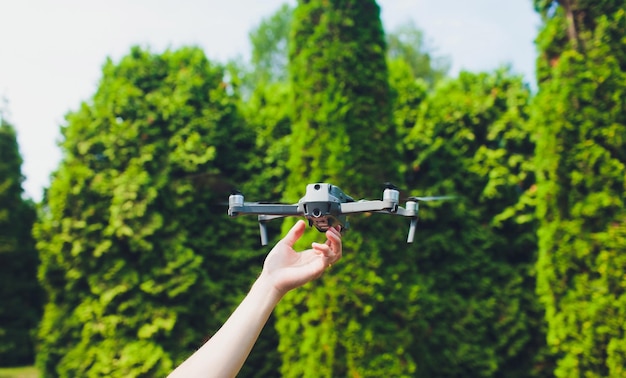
[
  {"x": 224, "y": 354},
  {"x": 284, "y": 269}
]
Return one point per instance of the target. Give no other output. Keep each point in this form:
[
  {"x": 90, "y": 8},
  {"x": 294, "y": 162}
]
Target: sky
[{"x": 52, "y": 52}]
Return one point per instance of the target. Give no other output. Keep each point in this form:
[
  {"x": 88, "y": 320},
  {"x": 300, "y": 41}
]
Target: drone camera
[
  {"x": 323, "y": 223},
  {"x": 319, "y": 209}
]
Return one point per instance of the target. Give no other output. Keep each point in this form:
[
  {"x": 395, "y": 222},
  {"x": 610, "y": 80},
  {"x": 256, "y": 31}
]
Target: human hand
[{"x": 287, "y": 269}]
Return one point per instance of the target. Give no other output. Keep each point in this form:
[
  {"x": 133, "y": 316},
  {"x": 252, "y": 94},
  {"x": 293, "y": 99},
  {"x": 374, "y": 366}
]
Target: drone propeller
[
  {"x": 233, "y": 191},
  {"x": 431, "y": 198},
  {"x": 237, "y": 191},
  {"x": 390, "y": 185}
]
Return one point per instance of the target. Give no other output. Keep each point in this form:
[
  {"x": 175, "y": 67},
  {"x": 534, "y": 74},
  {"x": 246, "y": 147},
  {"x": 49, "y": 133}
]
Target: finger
[
  {"x": 332, "y": 233},
  {"x": 335, "y": 230},
  {"x": 339, "y": 228},
  {"x": 322, "y": 249},
  {"x": 294, "y": 233},
  {"x": 334, "y": 242},
  {"x": 333, "y": 237}
]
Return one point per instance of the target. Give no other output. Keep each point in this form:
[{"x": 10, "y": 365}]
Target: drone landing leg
[
  {"x": 263, "y": 230},
  {"x": 412, "y": 227}
]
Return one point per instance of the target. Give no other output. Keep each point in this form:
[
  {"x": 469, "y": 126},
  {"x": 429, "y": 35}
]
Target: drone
[{"x": 325, "y": 205}]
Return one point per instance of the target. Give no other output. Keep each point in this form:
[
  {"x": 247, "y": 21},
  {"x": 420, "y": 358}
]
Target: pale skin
[{"x": 284, "y": 269}]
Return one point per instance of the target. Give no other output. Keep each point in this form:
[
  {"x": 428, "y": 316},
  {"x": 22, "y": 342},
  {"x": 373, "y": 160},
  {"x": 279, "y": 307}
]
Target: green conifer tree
[
  {"x": 20, "y": 293},
  {"x": 137, "y": 261},
  {"x": 478, "y": 316},
  {"x": 580, "y": 128},
  {"x": 351, "y": 322}
]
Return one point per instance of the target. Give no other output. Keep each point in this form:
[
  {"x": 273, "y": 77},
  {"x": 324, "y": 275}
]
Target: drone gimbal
[{"x": 325, "y": 205}]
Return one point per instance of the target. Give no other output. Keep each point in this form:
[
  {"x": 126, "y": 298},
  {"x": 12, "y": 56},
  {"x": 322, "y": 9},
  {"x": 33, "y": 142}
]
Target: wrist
[{"x": 265, "y": 285}]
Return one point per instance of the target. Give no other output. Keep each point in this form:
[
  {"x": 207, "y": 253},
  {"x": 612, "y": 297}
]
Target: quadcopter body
[{"x": 325, "y": 205}]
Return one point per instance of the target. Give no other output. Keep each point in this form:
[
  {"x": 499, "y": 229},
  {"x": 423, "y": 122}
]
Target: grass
[{"x": 19, "y": 372}]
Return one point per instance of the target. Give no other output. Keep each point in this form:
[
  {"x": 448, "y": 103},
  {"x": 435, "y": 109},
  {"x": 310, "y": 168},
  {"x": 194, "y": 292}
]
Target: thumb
[{"x": 294, "y": 233}]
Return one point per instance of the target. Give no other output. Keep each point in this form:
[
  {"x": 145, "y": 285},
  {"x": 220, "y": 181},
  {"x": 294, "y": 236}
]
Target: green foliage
[
  {"x": 267, "y": 113},
  {"x": 407, "y": 93},
  {"x": 20, "y": 294},
  {"x": 135, "y": 260},
  {"x": 474, "y": 256},
  {"x": 341, "y": 102},
  {"x": 19, "y": 372},
  {"x": 580, "y": 127}
]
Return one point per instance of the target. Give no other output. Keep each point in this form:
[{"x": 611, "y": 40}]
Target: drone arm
[
  {"x": 385, "y": 207},
  {"x": 407, "y": 212},
  {"x": 367, "y": 207},
  {"x": 264, "y": 209}
]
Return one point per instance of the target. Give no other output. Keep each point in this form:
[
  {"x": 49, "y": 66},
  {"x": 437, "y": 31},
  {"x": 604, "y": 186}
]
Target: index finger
[{"x": 294, "y": 233}]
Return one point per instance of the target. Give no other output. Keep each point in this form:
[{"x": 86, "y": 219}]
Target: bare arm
[{"x": 284, "y": 269}]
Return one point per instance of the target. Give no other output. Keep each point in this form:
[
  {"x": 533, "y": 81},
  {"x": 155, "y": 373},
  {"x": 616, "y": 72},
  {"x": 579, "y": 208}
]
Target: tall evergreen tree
[
  {"x": 474, "y": 256},
  {"x": 341, "y": 102},
  {"x": 137, "y": 263},
  {"x": 20, "y": 293},
  {"x": 350, "y": 323},
  {"x": 270, "y": 46},
  {"x": 580, "y": 125}
]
